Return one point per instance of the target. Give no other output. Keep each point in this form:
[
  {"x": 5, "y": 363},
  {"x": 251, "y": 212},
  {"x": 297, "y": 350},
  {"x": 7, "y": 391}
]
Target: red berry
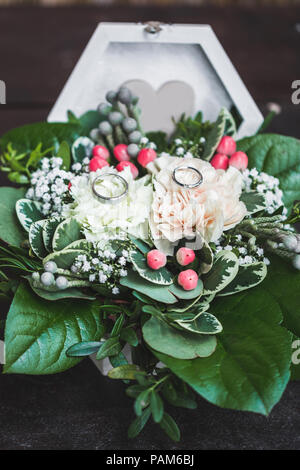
[
  {"x": 239, "y": 160},
  {"x": 69, "y": 185},
  {"x": 188, "y": 279},
  {"x": 97, "y": 163},
  {"x": 146, "y": 156},
  {"x": 156, "y": 259},
  {"x": 227, "y": 145},
  {"x": 185, "y": 256},
  {"x": 120, "y": 167},
  {"x": 220, "y": 161},
  {"x": 100, "y": 151},
  {"x": 121, "y": 154}
]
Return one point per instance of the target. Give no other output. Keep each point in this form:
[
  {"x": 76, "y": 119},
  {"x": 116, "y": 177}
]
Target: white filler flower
[{"x": 107, "y": 221}]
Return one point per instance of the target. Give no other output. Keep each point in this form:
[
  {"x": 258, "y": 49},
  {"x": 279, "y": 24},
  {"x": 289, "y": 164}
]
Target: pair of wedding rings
[{"x": 124, "y": 185}]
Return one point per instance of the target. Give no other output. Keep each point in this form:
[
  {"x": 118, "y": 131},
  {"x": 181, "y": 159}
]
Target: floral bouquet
[{"x": 174, "y": 259}]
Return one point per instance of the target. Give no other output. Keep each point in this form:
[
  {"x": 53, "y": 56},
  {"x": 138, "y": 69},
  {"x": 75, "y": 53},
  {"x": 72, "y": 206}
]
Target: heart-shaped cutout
[{"x": 159, "y": 107}]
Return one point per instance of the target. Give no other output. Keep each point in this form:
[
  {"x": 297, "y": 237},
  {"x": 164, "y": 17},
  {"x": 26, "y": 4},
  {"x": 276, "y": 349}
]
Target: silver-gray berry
[
  {"x": 135, "y": 137},
  {"x": 35, "y": 276},
  {"x": 296, "y": 262},
  {"x": 133, "y": 150},
  {"x": 111, "y": 96},
  {"x": 104, "y": 109},
  {"x": 47, "y": 279},
  {"x": 50, "y": 266},
  {"x": 115, "y": 118},
  {"x": 129, "y": 125},
  {"x": 95, "y": 134},
  {"x": 62, "y": 282},
  {"x": 125, "y": 95},
  {"x": 105, "y": 128}
]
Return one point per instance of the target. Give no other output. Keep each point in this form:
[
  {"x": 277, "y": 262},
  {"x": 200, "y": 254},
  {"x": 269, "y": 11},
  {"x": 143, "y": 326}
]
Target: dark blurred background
[{"x": 39, "y": 47}]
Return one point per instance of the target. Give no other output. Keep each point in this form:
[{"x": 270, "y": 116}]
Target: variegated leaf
[
  {"x": 57, "y": 294},
  {"x": 224, "y": 270},
  {"x": 249, "y": 275},
  {"x": 155, "y": 291},
  {"x": 230, "y": 125},
  {"x": 36, "y": 239},
  {"x": 205, "y": 323},
  {"x": 48, "y": 232},
  {"x": 67, "y": 232},
  {"x": 28, "y": 211},
  {"x": 214, "y": 136},
  {"x": 157, "y": 276},
  {"x": 80, "y": 245},
  {"x": 82, "y": 148},
  {"x": 253, "y": 201},
  {"x": 64, "y": 258}
]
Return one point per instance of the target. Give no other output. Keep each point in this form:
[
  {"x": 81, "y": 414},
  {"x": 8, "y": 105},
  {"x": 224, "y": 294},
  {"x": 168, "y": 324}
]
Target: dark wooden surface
[{"x": 80, "y": 409}]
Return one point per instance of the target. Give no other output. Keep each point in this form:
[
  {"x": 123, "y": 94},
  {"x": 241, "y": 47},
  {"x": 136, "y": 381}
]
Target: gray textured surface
[{"x": 80, "y": 409}]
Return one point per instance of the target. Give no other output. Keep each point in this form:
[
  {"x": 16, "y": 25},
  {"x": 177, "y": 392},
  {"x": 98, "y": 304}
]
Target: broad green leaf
[
  {"x": 36, "y": 239},
  {"x": 85, "y": 348},
  {"x": 157, "y": 406},
  {"x": 125, "y": 372},
  {"x": 65, "y": 154},
  {"x": 10, "y": 230},
  {"x": 129, "y": 335},
  {"x": 283, "y": 284},
  {"x": 38, "y": 333},
  {"x": 48, "y": 232},
  {"x": 250, "y": 368},
  {"x": 205, "y": 323},
  {"x": 139, "y": 423},
  {"x": 65, "y": 258},
  {"x": 70, "y": 293},
  {"x": 206, "y": 258},
  {"x": 141, "y": 245},
  {"x": 278, "y": 156},
  {"x": 28, "y": 211},
  {"x": 215, "y": 135},
  {"x": 154, "y": 291},
  {"x": 253, "y": 201},
  {"x": 141, "y": 402},
  {"x": 66, "y": 232},
  {"x": 118, "y": 360},
  {"x": 176, "y": 343},
  {"x": 158, "y": 276},
  {"x": 223, "y": 271},
  {"x": 170, "y": 427},
  {"x": 182, "y": 294},
  {"x": 249, "y": 275},
  {"x": 82, "y": 148}
]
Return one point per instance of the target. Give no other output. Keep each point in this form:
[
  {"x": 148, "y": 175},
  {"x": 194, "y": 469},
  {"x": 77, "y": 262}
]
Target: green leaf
[
  {"x": 141, "y": 402},
  {"x": 85, "y": 348},
  {"x": 82, "y": 148},
  {"x": 129, "y": 335},
  {"x": 124, "y": 372},
  {"x": 111, "y": 347},
  {"x": 10, "y": 229},
  {"x": 70, "y": 293},
  {"x": 249, "y": 275},
  {"x": 206, "y": 258},
  {"x": 154, "y": 291},
  {"x": 118, "y": 360},
  {"x": 176, "y": 343},
  {"x": 253, "y": 201},
  {"x": 65, "y": 258},
  {"x": 170, "y": 427},
  {"x": 230, "y": 125},
  {"x": 48, "y": 232},
  {"x": 28, "y": 212},
  {"x": 65, "y": 154},
  {"x": 158, "y": 276},
  {"x": 37, "y": 334},
  {"x": 139, "y": 423},
  {"x": 157, "y": 406},
  {"x": 278, "y": 156},
  {"x": 223, "y": 271},
  {"x": 66, "y": 232},
  {"x": 27, "y": 138},
  {"x": 140, "y": 245},
  {"x": 118, "y": 326},
  {"x": 36, "y": 239},
  {"x": 215, "y": 135},
  {"x": 205, "y": 323},
  {"x": 182, "y": 294},
  {"x": 283, "y": 284},
  {"x": 250, "y": 367}
]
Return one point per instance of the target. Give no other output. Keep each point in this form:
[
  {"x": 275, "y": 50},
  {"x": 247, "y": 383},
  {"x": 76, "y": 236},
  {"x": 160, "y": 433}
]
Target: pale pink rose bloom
[{"x": 208, "y": 209}]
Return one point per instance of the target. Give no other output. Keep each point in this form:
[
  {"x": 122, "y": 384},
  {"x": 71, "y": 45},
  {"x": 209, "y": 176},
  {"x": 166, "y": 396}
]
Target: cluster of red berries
[
  {"x": 228, "y": 156},
  {"x": 187, "y": 279},
  {"x": 101, "y": 155}
]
